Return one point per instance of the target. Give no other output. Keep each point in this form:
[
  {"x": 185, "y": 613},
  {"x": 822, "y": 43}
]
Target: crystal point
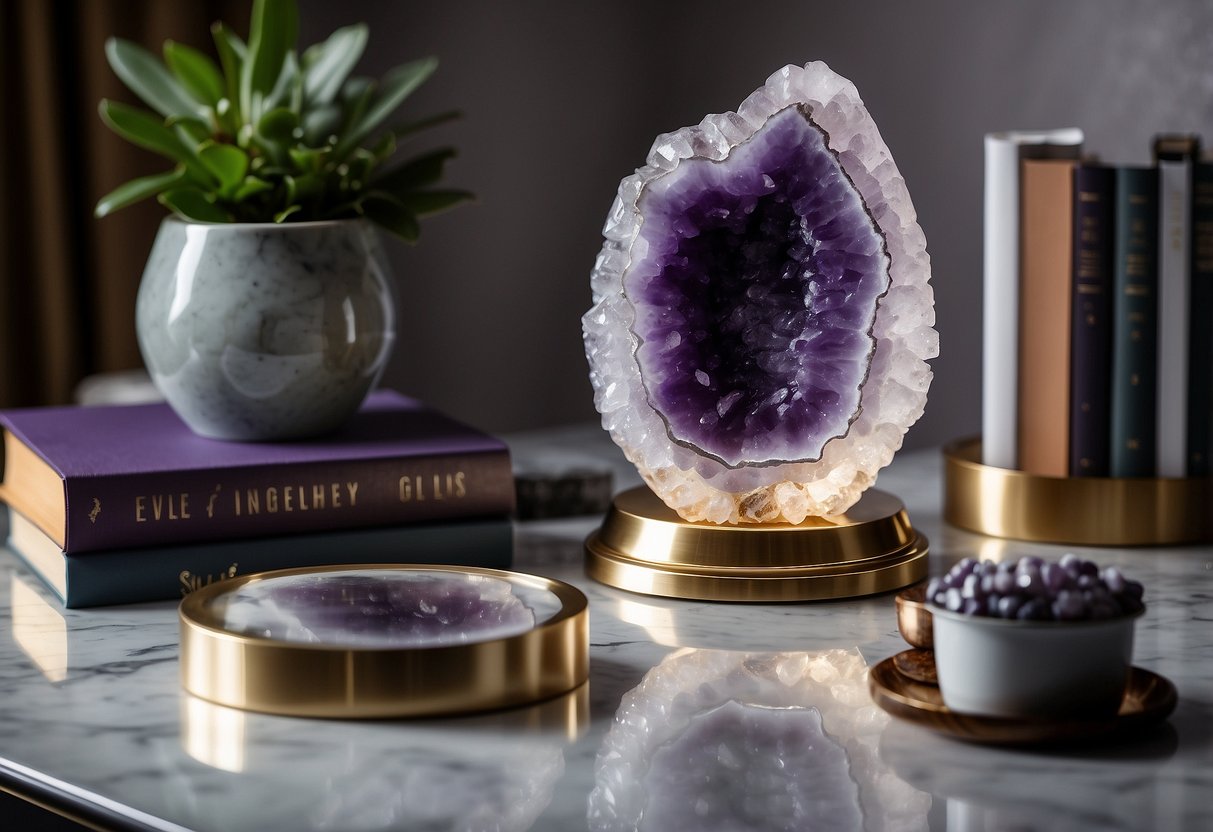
[{"x": 762, "y": 313}]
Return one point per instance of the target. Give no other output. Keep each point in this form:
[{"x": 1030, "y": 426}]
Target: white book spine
[
  {"x": 1000, "y": 300},
  {"x": 1174, "y": 266},
  {"x": 1000, "y": 306}
]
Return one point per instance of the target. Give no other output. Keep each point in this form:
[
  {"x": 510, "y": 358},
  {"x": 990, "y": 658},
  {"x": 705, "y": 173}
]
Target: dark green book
[
  {"x": 1090, "y": 319},
  {"x": 1135, "y": 324},
  {"x": 165, "y": 573},
  {"x": 1200, "y": 325}
]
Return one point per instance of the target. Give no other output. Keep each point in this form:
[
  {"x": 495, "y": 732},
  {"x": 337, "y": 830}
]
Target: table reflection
[
  {"x": 494, "y": 771},
  {"x": 710, "y": 626},
  {"x": 39, "y": 630},
  {"x": 716, "y": 740},
  {"x": 1094, "y": 784}
]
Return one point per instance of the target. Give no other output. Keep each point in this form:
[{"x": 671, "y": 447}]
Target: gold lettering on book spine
[
  {"x": 157, "y": 507},
  {"x": 294, "y": 497},
  {"x": 448, "y": 486},
  {"x": 247, "y": 502},
  {"x": 190, "y": 582}
]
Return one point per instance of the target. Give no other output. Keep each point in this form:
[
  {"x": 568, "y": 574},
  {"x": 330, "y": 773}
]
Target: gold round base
[
  {"x": 1082, "y": 511},
  {"x": 240, "y": 669},
  {"x": 644, "y": 546}
]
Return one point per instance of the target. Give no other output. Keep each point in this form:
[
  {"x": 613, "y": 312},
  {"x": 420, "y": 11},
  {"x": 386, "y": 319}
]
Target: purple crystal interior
[
  {"x": 755, "y": 281},
  {"x": 386, "y": 608}
]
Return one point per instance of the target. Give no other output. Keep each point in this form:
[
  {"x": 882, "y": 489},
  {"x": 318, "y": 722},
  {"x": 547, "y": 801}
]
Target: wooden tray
[{"x": 1149, "y": 698}]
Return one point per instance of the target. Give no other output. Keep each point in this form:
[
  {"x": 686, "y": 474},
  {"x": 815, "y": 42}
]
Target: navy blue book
[
  {"x": 1091, "y": 319},
  {"x": 168, "y": 573}
]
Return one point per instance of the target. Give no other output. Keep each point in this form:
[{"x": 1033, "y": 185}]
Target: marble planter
[{"x": 261, "y": 332}]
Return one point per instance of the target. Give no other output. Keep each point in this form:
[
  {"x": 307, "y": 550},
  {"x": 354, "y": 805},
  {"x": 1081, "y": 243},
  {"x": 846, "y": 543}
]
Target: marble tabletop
[{"x": 92, "y": 717}]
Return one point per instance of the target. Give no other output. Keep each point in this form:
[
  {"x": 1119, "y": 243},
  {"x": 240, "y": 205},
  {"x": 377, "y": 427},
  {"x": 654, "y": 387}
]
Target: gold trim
[
  {"x": 271, "y": 676},
  {"x": 45, "y": 805},
  {"x": 1083, "y": 511},
  {"x": 645, "y": 547}
]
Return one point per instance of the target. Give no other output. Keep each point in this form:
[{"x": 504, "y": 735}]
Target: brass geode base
[
  {"x": 1083, "y": 511},
  {"x": 644, "y": 546}
]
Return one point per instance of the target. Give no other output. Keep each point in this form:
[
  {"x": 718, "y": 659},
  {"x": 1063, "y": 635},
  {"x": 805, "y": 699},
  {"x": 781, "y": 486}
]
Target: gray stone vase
[{"x": 262, "y": 332}]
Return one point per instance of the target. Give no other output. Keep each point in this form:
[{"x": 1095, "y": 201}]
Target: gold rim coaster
[
  {"x": 644, "y": 546},
  {"x": 271, "y": 675},
  {"x": 1083, "y": 511}
]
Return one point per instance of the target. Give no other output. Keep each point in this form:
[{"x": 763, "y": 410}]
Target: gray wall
[{"x": 562, "y": 99}]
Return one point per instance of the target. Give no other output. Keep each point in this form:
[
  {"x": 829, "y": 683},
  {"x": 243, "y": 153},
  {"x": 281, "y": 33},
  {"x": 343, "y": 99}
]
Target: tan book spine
[{"x": 1047, "y": 217}]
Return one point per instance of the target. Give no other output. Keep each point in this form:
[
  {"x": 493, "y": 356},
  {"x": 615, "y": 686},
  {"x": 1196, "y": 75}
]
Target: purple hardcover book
[{"x": 137, "y": 476}]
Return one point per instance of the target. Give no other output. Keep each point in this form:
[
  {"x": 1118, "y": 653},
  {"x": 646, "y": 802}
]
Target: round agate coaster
[
  {"x": 762, "y": 313},
  {"x": 374, "y": 641},
  {"x": 386, "y": 608}
]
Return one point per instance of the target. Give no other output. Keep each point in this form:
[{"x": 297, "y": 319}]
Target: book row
[{"x": 1099, "y": 298}]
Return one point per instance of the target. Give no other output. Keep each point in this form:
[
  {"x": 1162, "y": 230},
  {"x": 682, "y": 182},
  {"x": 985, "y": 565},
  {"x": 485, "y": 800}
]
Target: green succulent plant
[{"x": 270, "y": 136}]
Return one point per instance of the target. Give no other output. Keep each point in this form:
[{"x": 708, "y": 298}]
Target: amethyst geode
[{"x": 762, "y": 312}]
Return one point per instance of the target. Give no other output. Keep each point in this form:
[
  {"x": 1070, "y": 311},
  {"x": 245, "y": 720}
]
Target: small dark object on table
[{"x": 574, "y": 492}]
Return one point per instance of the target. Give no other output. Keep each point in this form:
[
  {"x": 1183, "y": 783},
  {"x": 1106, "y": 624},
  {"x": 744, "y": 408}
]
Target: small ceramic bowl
[{"x": 1042, "y": 669}]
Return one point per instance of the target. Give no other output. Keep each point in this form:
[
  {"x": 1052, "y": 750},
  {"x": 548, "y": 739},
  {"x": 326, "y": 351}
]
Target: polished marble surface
[{"x": 90, "y": 710}]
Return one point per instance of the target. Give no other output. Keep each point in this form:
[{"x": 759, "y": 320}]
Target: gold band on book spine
[
  {"x": 272, "y": 676},
  {"x": 643, "y": 546},
  {"x": 1083, "y": 511}
]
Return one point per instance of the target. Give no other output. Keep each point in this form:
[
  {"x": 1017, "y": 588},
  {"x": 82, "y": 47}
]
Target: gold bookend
[
  {"x": 1083, "y": 511},
  {"x": 644, "y": 546}
]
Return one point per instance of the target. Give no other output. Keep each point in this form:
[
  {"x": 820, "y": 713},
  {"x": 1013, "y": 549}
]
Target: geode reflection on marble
[
  {"x": 762, "y": 312},
  {"x": 383, "y": 608},
  {"x": 745, "y": 779},
  {"x": 719, "y": 740}
]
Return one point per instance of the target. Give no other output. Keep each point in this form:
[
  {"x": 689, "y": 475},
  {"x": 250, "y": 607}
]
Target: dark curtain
[{"x": 67, "y": 280}]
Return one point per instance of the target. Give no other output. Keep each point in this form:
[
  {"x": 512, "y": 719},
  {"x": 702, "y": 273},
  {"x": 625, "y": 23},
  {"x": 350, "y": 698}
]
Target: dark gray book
[
  {"x": 166, "y": 573},
  {"x": 1200, "y": 325},
  {"x": 1134, "y": 324}
]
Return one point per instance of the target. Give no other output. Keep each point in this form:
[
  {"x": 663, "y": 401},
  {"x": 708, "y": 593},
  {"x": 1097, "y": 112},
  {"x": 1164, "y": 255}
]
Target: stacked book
[
  {"x": 118, "y": 504},
  {"x": 1098, "y": 310}
]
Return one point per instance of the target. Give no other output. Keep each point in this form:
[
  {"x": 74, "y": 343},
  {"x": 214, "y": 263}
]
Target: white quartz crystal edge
[
  {"x": 700, "y": 488},
  {"x": 691, "y": 682}
]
